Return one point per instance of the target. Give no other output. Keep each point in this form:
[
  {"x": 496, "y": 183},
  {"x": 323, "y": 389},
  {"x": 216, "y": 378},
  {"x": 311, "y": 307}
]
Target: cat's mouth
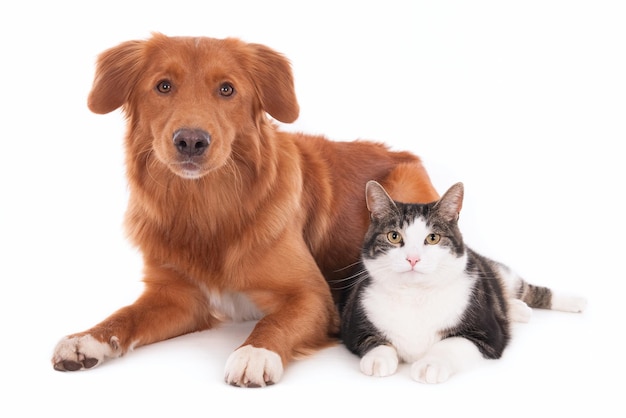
[{"x": 412, "y": 271}]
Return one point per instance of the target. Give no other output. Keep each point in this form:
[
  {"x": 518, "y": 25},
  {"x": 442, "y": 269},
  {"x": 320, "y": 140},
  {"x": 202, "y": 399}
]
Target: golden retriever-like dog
[{"x": 235, "y": 219}]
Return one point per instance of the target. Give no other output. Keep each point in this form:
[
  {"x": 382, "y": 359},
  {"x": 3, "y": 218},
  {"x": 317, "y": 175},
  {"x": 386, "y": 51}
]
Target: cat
[{"x": 424, "y": 297}]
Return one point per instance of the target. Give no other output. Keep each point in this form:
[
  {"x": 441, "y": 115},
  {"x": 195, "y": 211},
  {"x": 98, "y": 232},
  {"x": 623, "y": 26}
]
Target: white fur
[
  {"x": 380, "y": 361},
  {"x": 251, "y": 366},
  {"x": 560, "y": 301},
  {"x": 444, "y": 359},
  {"x": 511, "y": 280},
  {"x": 78, "y": 349},
  {"x": 519, "y": 311},
  {"x": 413, "y": 304},
  {"x": 232, "y": 306},
  {"x": 568, "y": 303}
]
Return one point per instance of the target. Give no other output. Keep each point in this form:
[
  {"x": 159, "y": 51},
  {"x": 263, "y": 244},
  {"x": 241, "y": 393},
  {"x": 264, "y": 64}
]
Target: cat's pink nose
[{"x": 413, "y": 260}]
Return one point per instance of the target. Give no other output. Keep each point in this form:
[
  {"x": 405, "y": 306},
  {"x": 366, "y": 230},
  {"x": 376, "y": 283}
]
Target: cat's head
[{"x": 412, "y": 241}]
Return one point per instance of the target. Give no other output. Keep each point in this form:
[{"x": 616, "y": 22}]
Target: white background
[{"x": 522, "y": 101}]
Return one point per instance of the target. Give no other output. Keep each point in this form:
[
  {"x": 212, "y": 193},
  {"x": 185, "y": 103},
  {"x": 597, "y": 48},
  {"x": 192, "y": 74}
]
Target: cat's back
[{"x": 493, "y": 273}]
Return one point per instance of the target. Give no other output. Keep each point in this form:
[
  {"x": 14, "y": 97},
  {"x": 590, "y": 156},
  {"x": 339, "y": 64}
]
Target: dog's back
[{"x": 335, "y": 178}]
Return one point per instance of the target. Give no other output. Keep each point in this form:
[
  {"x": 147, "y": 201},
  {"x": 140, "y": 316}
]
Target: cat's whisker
[
  {"x": 352, "y": 280},
  {"x": 347, "y": 267},
  {"x": 347, "y": 278}
]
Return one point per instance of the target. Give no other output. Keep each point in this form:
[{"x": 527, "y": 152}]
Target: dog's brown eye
[
  {"x": 227, "y": 89},
  {"x": 164, "y": 86}
]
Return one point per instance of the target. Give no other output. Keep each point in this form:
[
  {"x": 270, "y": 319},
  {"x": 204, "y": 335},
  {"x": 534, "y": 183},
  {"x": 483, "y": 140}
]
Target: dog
[{"x": 235, "y": 218}]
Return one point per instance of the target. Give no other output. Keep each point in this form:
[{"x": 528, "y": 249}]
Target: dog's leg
[
  {"x": 301, "y": 317},
  {"x": 300, "y": 326},
  {"x": 167, "y": 308}
]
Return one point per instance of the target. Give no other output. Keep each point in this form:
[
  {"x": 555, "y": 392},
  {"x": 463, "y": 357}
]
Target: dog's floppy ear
[
  {"x": 117, "y": 71},
  {"x": 271, "y": 73}
]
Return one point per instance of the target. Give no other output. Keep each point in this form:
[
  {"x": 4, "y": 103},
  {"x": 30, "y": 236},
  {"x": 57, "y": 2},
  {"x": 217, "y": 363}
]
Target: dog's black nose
[{"x": 191, "y": 142}]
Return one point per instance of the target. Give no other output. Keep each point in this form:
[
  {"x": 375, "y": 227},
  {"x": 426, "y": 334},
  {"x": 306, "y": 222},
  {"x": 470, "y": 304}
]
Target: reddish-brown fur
[{"x": 273, "y": 215}]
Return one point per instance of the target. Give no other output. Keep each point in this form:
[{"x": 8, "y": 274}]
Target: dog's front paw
[
  {"x": 82, "y": 352},
  {"x": 380, "y": 361},
  {"x": 253, "y": 367}
]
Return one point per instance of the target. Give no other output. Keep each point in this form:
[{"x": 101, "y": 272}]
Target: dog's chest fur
[{"x": 231, "y": 306}]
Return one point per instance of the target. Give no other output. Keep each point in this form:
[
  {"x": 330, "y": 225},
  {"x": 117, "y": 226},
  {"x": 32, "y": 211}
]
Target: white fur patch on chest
[
  {"x": 232, "y": 306},
  {"x": 412, "y": 317}
]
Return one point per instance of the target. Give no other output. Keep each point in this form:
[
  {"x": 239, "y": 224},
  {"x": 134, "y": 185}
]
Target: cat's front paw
[
  {"x": 431, "y": 370},
  {"x": 380, "y": 361}
]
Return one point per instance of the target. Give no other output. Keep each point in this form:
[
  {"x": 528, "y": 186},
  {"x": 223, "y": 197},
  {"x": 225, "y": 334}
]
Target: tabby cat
[{"x": 425, "y": 298}]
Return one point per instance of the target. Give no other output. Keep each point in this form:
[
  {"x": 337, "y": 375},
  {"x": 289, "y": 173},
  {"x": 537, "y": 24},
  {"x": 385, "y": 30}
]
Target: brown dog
[{"x": 235, "y": 219}]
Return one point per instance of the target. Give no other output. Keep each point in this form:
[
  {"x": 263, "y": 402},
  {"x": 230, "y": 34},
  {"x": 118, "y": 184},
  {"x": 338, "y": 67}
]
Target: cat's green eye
[
  {"x": 394, "y": 237},
  {"x": 433, "y": 239}
]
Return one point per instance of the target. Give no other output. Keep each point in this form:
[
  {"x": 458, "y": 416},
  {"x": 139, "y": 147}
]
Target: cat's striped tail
[{"x": 545, "y": 298}]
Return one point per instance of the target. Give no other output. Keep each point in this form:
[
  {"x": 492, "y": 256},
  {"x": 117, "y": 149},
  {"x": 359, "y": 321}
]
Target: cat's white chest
[{"x": 411, "y": 317}]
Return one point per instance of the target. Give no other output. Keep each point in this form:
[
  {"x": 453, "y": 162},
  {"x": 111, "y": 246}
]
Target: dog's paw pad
[
  {"x": 82, "y": 352},
  {"x": 67, "y": 366},
  {"x": 253, "y": 367}
]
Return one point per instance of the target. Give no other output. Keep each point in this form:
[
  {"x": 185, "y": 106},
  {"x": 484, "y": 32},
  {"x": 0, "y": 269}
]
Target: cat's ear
[
  {"x": 451, "y": 202},
  {"x": 378, "y": 201}
]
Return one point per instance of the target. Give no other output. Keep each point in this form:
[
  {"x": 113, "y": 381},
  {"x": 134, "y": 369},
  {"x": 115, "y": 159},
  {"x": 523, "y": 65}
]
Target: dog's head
[{"x": 193, "y": 97}]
